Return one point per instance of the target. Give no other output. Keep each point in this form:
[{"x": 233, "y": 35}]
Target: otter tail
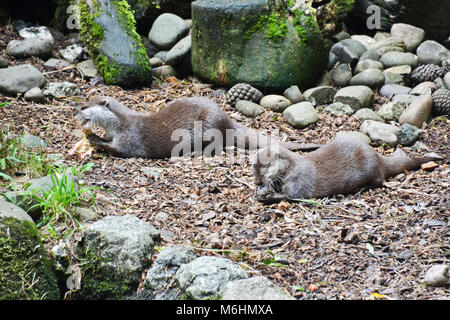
[
  {"x": 247, "y": 138},
  {"x": 400, "y": 162}
]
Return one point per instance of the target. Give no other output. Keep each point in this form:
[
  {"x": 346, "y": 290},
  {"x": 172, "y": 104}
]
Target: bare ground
[{"x": 375, "y": 244}]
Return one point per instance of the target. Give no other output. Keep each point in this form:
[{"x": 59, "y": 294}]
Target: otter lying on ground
[
  {"x": 196, "y": 120},
  {"x": 340, "y": 167}
]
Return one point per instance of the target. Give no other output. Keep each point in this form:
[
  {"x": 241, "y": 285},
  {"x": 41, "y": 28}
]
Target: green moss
[
  {"x": 25, "y": 269},
  {"x": 342, "y": 7}
]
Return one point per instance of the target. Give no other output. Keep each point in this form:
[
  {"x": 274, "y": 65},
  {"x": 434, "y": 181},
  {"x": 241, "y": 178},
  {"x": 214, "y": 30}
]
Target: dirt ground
[{"x": 376, "y": 244}]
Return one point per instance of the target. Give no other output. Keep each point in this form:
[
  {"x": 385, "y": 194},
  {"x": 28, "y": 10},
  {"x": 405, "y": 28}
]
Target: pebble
[
  {"x": 373, "y": 78},
  {"x": 389, "y": 90},
  {"x": 61, "y": 89},
  {"x": 427, "y": 87},
  {"x": 339, "y": 109},
  {"x": 363, "y": 39},
  {"x": 164, "y": 72},
  {"x": 179, "y": 52},
  {"x": 380, "y": 132},
  {"x": 167, "y": 30},
  {"x": 36, "y": 33},
  {"x": 341, "y": 75},
  {"x": 393, "y": 78},
  {"x": 29, "y": 47},
  {"x": 403, "y": 98},
  {"x": 368, "y": 64},
  {"x": 411, "y": 36},
  {"x": 56, "y": 63},
  {"x": 391, "y": 111},
  {"x": 293, "y": 94},
  {"x": 367, "y": 114},
  {"x": 433, "y": 52},
  {"x": 88, "y": 68},
  {"x": 353, "y": 135},
  {"x": 395, "y": 59},
  {"x": 34, "y": 94},
  {"x": 72, "y": 53},
  {"x": 418, "y": 111},
  {"x": 370, "y": 54},
  {"x": 437, "y": 276},
  {"x": 275, "y": 102},
  {"x": 32, "y": 142},
  {"x": 407, "y": 134},
  {"x": 301, "y": 115},
  {"x": 320, "y": 95},
  {"x": 155, "y": 62},
  {"x": 356, "y": 97},
  {"x": 402, "y": 70},
  {"x": 20, "y": 79},
  {"x": 248, "y": 108}
]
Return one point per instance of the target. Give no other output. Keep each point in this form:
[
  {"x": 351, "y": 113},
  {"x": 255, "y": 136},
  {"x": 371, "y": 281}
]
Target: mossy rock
[
  {"x": 260, "y": 42},
  {"x": 25, "y": 269},
  {"x": 108, "y": 30}
]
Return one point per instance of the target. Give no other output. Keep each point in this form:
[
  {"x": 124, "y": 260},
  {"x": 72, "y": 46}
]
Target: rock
[
  {"x": 88, "y": 68},
  {"x": 391, "y": 111},
  {"x": 380, "y": 133},
  {"x": 117, "y": 249},
  {"x": 61, "y": 89},
  {"x": 85, "y": 214},
  {"x": 3, "y": 63},
  {"x": 401, "y": 70},
  {"x": 368, "y": 64},
  {"x": 371, "y": 55},
  {"x": 261, "y": 55},
  {"x": 384, "y": 50},
  {"x": 427, "y": 87},
  {"x": 274, "y": 102},
  {"x": 411, "y": 36},
  {"x": 20, "y": 79},
  {"x": 29, "y": 47},
  {"x": 158, "y": 279},
  {"x": 389, "y": 90},
  {"x": 332, "y": 60},
  {"x": 356, "y": 97},
  {"x": 440, "y": 84},
  {"x": 167, "y": 29},
  {"x": 363, "y": 39},
  {"x": 25, "y": 267},
  {"x": 367, "y": 114},
  {"x": 36, "y": 33},
  {"x": 393, "y": 78},
  {"x": 56, "y": 63},
  {"x": 320, "y": 95},
  {"x": 447, "y": 80},
  {"x": 348, "y": 54},
  {"x": 341, "y": 75},
  {"x": 60, "y": 254},
  {"x": 255, "y": 288},
  {"x": 387, "y": 42},
  {"x": 156, "y": 62},
  {"x": 72, "y": 53},
  {"x": 418, "y": 111},
  {"x": 30, "y": 141},
  {"x": 294, "y": 95},
  {"x": 18, "y": 25},
  {"x": 407, "y": 134},
  {"x": 301, "y": 115},
  {"x": 248, "y": 108},
  {"x": 34, "y": 94},
  {"x": 164, "y": 72},
  {"x": 403, "y": 98},
  {"x": 339, "y": 109},
  {"x": 180, "y": 52},
  {"x": 152, "y": 172},
  {"x": 372, "y": 78},
  {"x": 109, "y": 34},
  {"x": 353, "y": 135},
  {"x": 395, "y": 59},
  {"x": 341, "y": 36},
  {"x": 432, "y": 52},
  {"x": 150, "y": 48},
  {"x": 204, "y": 277},
  {"x": 162, "y": 55},
  {"x": 437, "y": 276}
]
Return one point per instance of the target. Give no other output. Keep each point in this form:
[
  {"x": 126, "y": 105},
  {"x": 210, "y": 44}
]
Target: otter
[
  {"x": 341, "y": 167},
  {"x": 133, "y": 134}
]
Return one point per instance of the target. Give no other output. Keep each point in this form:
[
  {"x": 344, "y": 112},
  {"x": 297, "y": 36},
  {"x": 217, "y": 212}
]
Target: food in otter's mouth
[{"x": 82, "y": 148}]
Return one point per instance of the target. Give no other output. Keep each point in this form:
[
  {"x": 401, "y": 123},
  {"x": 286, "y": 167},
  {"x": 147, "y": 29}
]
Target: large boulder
[
  {"x": 25, "y": 269},
  {"x": 109, "y": 33},
  {"x": 260, "y": 42},
  {"x": 20, "y": 79}
]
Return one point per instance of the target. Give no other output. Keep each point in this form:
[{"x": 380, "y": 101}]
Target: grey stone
[
  {"x": 301, "y": 115},
  {"x": 248, "y": 108},
  {"x": 348, "y": 51},
  {"x": 339, "y": 109},
  {"x": 447, "y": 80},
  {"x": 380, "y": 133},
  {"x": 275, "y": 102},
  {"x": 122, "y": 245},
  {"x": 155, "y": 62},
  {"x": 390, "y": 41},
  {"x": 72, "y": 53},
  {"x": 255, "y": 288},
  {"x": 389, "y": 90},
  {"x": 164, "y": 72},
  {"x": 204, "y": 277},
  {"x": 36, "y": 33},
  {"x": 161, "y": 55},
  {"x": 393, "y": 78},
  {"x": 370, "y": 54},
  {"x": 372, "y": 78},
  {"x": 363, "y": 39},
  {"x": 332, "y": 60},
  {"x": 20, "y": 79},
  {"x": 152, "y": 172},
  {"x": 61, "y": 260},
  {"x": 34, "y": 94},
  {"x": 380, "y": 35},
  {"x": 440, "y": 84},
  {"x": 386, "y": 49},
  {"x": 341, "y": 75},
  {"x": 320, "y": 95},
  {"x": 427, "y": 87},
  {"x": 411, "y": 36},
  {"x": 32, "y": 142},
  {"x": 159, "y": 276},
  {"x": 367, "y": 114},
  {"x": 418, "y": 111},
  {"x": 368, "y": 64},
  {"x": 433, "y": 52},
  {"x": 10, "y": 210},
  {"x": 180, "y": 52},
  {"x": 353, "y": 135},
  {"x": 56, "y": 63},
  {"x": 356, "y": 97},
  {"x": 401, "y": 70},
  {"x": 150, "y": 48},
  {"x": 395, "y": 59},
  {"x": 29, "y": 47},
  {"x": 85, "y": 214},
  {"x": 341, "y": 36},
  {"x": 403, "y": 98},
  {"x": 167, "y": 29},
  {"x": 437, "y": 276},
  {"x": 391, "y": 111},
  {"x": 293, "y": 94},
  {"x": 61, "y": 89},
  {"x": 88, "y": 68},
  {"x": 407, "y": 134}
]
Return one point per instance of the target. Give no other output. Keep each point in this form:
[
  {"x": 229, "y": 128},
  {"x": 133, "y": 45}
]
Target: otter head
[
  {"x": 98, "y": 112},
  {"x": 269, "y": 166}
]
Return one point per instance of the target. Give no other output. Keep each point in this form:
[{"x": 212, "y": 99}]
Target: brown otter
[
  {"x": 197, "y": 119},
  {"x": 340, "y": 167}
]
